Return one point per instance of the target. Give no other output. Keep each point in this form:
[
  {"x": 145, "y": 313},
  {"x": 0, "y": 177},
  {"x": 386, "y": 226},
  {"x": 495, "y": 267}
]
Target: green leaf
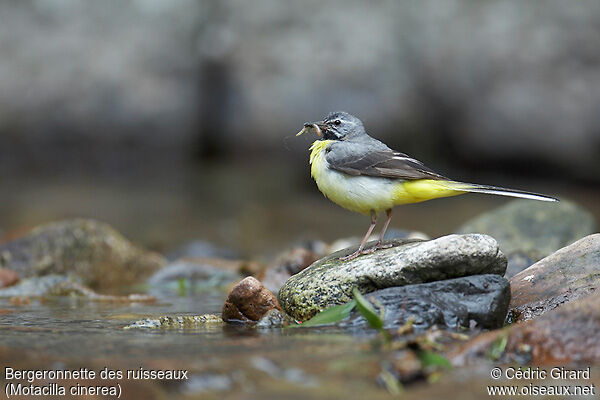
[
  {"x": 181, "y": 287},
  {"x": 330, "y": 315},
  {"x": 367, "y": 310},
  {"x": 391, "y": 383},
  {"x": 431, "y": 359},
  {"x": 498, "y": 347}
]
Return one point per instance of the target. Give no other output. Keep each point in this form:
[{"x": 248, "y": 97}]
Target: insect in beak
[{"x": 308, "y": 126}]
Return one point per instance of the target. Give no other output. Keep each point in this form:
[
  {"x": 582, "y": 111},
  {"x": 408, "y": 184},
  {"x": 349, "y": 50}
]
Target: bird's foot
[
  {"x": 381, "y": 245},
  {"x": 351, "y": 256},
  {"x": 359, "y": 252}
]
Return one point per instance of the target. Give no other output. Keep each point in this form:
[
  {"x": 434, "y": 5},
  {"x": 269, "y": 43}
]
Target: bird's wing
[{"x": 380, "y": 163}]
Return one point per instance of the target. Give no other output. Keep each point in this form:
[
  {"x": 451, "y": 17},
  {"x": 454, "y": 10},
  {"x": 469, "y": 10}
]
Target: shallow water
[
  {"x": 228, "y": 361},
  {"x": 221, "y": 360}
]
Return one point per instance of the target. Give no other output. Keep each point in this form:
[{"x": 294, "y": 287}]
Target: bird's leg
[
  {"x": 360, "y": 249},
  {"x": 380, "y": 244}
]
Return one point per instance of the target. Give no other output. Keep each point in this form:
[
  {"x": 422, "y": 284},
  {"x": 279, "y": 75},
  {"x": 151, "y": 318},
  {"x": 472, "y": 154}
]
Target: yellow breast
[{"x": 365, "y": 193}]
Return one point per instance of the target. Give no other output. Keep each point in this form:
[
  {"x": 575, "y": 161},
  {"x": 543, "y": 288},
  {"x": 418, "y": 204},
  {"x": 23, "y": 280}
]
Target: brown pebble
[
  {"x": 19, "y": 301},
  {"x": 8, "y": 277},
  {"x": 248, "y": 301}
]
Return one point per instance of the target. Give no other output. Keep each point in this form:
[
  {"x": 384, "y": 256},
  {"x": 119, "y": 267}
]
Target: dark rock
[
  {"x": 570, "y": 273},
  {"x": 197, "y": 274},
  {"x": 450, "y": 303},
  {"x": 330, "y": 281},
  {"x": 200, "y": 249},
  {"x": 248, "y": 301},
  {"x": 88, "y": 249},
  {"x": 285, "y": 265},
  {"x": 528, "y": 231},
  {"x": 8, "y": 277},
  {"x": 570, "y": 334}
]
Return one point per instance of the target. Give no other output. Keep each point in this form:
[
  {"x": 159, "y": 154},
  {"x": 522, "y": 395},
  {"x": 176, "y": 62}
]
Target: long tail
[{"x": 475, "y": 188}]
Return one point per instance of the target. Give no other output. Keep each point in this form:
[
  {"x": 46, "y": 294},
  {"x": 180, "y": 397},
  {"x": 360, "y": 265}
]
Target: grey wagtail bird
[{"x": 363, "y": 175}]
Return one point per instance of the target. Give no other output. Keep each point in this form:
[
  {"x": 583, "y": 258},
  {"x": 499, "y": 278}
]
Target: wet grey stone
[
  {"x": 329, "y": 281},
  {"x": 462, "y": 302},
  {"x": 528, "y": 230}
]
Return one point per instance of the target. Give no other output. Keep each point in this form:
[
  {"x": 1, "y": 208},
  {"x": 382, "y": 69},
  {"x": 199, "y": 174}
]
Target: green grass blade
[
  {"x": 330, "y": 315},
  {"x": 367, "y": 310},
  {"x": 431, "y": 359}
]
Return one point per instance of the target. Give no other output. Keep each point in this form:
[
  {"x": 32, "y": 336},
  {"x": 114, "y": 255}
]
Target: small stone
[
  {"x": 570, "y": 273},
  {"x": 479, "y": 300},
  {"x": 533, "y": 229},
  {"x": 274, "y": 318},
  {"x": 8, "y": 277},
  {"x": 248, "y": 301},
  {"x": 19, "y": 301},
  {"x": 285, "y": 265},
  {"x": 330, "y": 281}
]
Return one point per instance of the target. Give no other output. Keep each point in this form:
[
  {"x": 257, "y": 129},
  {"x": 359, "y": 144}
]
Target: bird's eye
[{"x": 337, "y": 122}]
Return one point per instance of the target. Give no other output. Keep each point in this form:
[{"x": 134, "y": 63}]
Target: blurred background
[{"x": 175, "y": 120}]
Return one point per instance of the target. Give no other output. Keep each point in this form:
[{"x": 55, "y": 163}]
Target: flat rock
[
  {"x": 248, "y": 301},
  {"x": 452, "y": 303},
  {"x": 570, "y": 334},
  {"x": 87, "y": 249},
  {"x": 178, "y": 322},
  {"x": 528, "y": 230},
  {"x": 330, "y": 281},
  {"x": 568, "y": 274}
]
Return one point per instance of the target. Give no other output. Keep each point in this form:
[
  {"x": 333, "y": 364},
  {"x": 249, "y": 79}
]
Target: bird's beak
[{"x": 317, "y": 127}]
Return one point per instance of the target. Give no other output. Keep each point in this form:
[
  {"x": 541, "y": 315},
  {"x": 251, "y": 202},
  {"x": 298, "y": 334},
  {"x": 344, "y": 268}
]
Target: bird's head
[{"x": 337, "y": 125}]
